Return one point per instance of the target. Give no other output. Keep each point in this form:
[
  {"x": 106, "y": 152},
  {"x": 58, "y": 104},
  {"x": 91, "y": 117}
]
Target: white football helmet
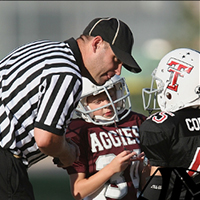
[
  {"x": 175, "y": 82},
  {"x": 121, "y": 106}
]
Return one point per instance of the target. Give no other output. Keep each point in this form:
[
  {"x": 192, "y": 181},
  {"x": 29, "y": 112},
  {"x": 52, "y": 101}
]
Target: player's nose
[{"x": 106, "y": 102}]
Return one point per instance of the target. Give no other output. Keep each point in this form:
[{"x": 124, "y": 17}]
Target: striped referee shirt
[{"x": 40, "y": 85}]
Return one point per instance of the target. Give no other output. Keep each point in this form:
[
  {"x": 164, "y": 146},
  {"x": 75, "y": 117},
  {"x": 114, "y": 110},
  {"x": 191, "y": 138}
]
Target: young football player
[
  {"x": 171, "y": 138},
  {"x": 111, "y": 163}
]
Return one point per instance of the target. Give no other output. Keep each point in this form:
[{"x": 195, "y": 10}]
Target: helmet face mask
[
  {"x": 121, "y": 105},
  {"x": 175, "y": 82},
  {"x": 149, "y": 95}
]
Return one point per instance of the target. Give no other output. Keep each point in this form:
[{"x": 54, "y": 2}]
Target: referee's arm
[{"x": 56, "y": 146}]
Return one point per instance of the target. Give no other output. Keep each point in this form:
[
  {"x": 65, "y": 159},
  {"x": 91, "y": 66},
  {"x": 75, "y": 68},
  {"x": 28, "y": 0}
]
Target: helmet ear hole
[{"x": 168, "y": 95}]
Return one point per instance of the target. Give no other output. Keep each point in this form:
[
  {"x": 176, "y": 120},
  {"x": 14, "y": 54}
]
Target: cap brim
[{"x": 128, "y": 61}]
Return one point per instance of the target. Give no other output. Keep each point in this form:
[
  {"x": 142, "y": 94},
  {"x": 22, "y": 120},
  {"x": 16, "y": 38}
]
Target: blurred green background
[
  {"x": 158, "y": 27},
  {"x": 49, "y": 182}
]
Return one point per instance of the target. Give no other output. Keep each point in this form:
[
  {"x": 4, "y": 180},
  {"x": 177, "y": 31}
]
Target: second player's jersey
[
  {"x": 172, "y": 139},
  {"x": 99, "y": 145}
]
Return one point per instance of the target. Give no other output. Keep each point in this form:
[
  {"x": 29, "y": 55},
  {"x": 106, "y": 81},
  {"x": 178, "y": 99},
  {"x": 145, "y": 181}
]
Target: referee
[{"x": 40, "y": 86}]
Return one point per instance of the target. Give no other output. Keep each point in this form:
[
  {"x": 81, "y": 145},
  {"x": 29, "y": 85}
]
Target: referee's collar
[{"x": 77, "y": 54}]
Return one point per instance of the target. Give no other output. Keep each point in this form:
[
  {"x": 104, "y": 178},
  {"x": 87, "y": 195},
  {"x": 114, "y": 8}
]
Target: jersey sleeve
[
  {"x": 58, "y": 96},
  {"x": 77, "y": 131},
  {"x": 155, "y": 142}
]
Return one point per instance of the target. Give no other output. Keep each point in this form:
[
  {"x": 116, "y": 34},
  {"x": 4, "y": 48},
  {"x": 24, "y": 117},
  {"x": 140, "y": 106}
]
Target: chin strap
[{"x": 99, "y": 118}]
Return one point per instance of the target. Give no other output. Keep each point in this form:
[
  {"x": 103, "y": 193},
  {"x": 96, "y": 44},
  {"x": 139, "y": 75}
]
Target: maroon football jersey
[{"x": 99, "y": 145}]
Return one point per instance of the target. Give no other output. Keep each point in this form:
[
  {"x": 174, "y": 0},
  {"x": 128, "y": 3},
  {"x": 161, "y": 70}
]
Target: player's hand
[
  {"x": 70, "y": 156},
  {"x": 139, "y": 157},
  {"x": 121, "y": 161}
]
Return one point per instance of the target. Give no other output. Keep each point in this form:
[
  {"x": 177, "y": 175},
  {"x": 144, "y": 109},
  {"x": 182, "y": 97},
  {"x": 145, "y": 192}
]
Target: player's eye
[{"x": 97, "y": 101}]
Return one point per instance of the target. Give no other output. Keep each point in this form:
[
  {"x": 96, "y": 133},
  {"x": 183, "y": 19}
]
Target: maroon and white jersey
[{"x": 99, "y": 145}]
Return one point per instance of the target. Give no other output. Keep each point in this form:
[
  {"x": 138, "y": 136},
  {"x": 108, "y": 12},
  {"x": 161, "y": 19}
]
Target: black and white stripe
[{"x": 40, "y": 85}]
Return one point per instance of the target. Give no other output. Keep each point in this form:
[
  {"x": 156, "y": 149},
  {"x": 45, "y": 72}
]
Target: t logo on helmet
[{"x": 177, "y": 68}]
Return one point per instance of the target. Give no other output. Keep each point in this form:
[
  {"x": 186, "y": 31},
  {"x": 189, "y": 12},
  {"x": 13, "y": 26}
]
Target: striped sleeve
[{"x": 59, "y": 97}]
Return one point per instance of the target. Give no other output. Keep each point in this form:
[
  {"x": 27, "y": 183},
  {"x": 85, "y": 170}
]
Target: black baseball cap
[{"x": 118, "y": 35}]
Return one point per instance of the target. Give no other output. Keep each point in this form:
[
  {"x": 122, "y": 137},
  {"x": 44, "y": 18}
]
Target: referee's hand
[{"x": 72, "y": 155}]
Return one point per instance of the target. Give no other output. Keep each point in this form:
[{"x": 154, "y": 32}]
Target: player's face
[
  {"x": 100, "y": 100},
  {"x": 105, "y": 64}
]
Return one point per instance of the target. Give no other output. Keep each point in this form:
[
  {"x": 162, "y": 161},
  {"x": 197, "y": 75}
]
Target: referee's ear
[{"x": 96, "y": 43}]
